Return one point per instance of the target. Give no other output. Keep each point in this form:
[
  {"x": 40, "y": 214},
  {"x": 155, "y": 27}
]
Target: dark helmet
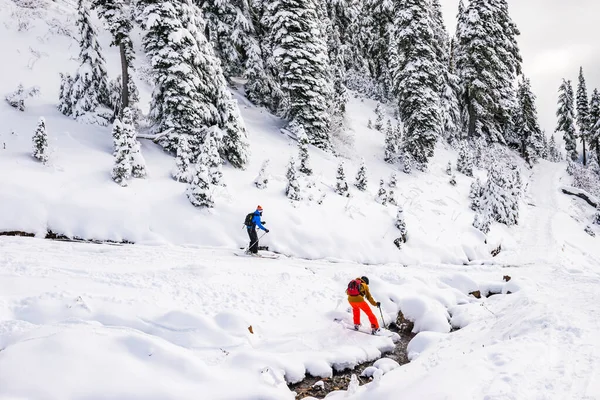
[{"x": 364, "y": 279}]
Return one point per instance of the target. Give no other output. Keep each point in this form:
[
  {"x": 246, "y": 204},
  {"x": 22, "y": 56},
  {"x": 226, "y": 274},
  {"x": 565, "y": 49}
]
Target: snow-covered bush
[
  {"x": 382, "y": 196},
  {"x": 361, "y": 177},
  {"x": 370, "y": 124},
  {"x": 584, "y": 178},
  {"x": 198, "y": 191},
  {"x": 341, "y": 185},
  {"x": 17, "y": 98},
  {"x": 121, "y": 172},
  {"x": 391, "y": 198},
  {"x": 401, "y": 225},
  {"x": 453, "y": 180},
  {"x": 262, "y": 180},
  {"x": 292, "y": 190},
  {"x": 40, "y": 142},
  {"x": 597, "y": 215},
  {"x": 588, "y": 229},
  {"x": 393, "y": 180}
]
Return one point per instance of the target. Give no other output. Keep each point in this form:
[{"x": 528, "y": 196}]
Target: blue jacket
[{"x": 256, "y": 221}]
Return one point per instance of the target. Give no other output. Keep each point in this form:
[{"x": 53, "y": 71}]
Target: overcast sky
[{"x": 557, "y": 36}]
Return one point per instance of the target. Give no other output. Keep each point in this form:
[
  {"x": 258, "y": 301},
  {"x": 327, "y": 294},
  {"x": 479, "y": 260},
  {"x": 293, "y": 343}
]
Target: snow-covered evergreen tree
[
  {"x": 341, "y": 185},
  {"x": 88, "y": 89},
  {"x": 262, "y": 87},
  {"x": 235, "y": 145},
  {"x": 300, "y": 53},
  {"x": 210, "y": 158},
  {"x": 198, "y": 191},
  {"x": 545, "y": 152},
  {"x": 382, "y": 196},
  {"x": 417, "y": 80},
  {"x": 449, "y": 168},
  {"x": 121, "y": 172},
  {"x": 464, "y": 164},
  {"x": 553, "y": 151},
  {"x": 401, "y": 226},
  {"x": 183, "y": 171},
  {"x": 262, "y": 180},
  {"x": 361, "y": 177},
  {"x": 526, "y": 126},
  {"x": 391, "y": 145},
  {"x": 566, "y": 119},
  {"x": 138, "y": 164},
  {"x": 475, "y": 194},
  {"x": 450, "y": 84},
  {"x": 292, "y": 190},
  {"x": 488, "y": 61},
  {"x": 303, "y": 152},
  {"x": 118, "y": 17},
  {"x": 393, "y": 183},
  {"x": 594, "y": 120},
  {"x": 500, "y": 195},
  {"x": 583, "y": 114},
  {"x": 391, "y": 197},
  {"x": 378, "y": 117},
  {"x": 482, "y": 221},
  {"x": 40, "y": 142},
  {"x": 370, "y": 124},
  {"x": 178, "y": 101},
  {"x": 191, "y": 94},
  {"x": 64, "y": 95},
  {"x": 230, "y": 29},
  {"x": 407, "y": 162}
]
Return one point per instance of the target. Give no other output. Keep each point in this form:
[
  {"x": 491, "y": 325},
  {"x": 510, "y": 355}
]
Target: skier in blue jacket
[{"x": 256, "y": 222}]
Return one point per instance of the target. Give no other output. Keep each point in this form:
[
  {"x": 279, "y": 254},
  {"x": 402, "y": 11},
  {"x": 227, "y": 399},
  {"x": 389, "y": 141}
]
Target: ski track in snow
[{"x": 569, "y": 290}]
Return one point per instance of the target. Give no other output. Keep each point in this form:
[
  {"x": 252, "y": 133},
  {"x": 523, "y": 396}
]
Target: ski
[
  {"x": 367, "y": 331},
  {"x": 263, "y": 255}
]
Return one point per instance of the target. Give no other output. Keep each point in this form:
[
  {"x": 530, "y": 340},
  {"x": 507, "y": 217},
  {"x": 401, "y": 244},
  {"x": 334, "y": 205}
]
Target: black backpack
[{"x": 248, "y": 220}]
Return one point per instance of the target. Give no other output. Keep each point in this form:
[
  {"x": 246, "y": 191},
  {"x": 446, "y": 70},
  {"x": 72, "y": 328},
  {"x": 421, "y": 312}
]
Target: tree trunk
[{"x": 125, "y": 75}]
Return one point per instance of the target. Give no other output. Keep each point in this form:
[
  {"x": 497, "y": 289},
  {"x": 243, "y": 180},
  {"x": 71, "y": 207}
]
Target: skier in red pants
[{"x": 357, "y": 290}]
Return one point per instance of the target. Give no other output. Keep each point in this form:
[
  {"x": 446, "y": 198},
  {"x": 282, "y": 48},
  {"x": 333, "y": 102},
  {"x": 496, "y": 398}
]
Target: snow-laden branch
[
  {"x": 156, "y": 136},
  {"x": 582, "y": 194}
]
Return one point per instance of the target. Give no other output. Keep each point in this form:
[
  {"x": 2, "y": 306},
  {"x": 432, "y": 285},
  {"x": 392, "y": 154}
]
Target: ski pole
[
  {"x": 382, "y": 320},
  {"x": 257, "y": 240}
]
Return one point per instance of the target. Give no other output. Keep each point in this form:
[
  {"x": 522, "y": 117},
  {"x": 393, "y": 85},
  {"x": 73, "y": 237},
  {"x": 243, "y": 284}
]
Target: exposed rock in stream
[{"x": 320, "y": 387}]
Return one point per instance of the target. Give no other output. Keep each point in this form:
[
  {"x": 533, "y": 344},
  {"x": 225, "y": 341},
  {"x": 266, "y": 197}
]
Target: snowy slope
[
  {"x": 74, "y": 195},
  {"x": 170, "y": 322},
  {"x": 169, "y": 317}
]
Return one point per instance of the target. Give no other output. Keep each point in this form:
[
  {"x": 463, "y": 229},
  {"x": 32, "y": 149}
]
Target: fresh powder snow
[{"x": 162, "y": 308}]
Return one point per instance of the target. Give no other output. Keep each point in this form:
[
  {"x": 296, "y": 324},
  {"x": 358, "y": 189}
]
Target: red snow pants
[{"x": 362, "y": 305}]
